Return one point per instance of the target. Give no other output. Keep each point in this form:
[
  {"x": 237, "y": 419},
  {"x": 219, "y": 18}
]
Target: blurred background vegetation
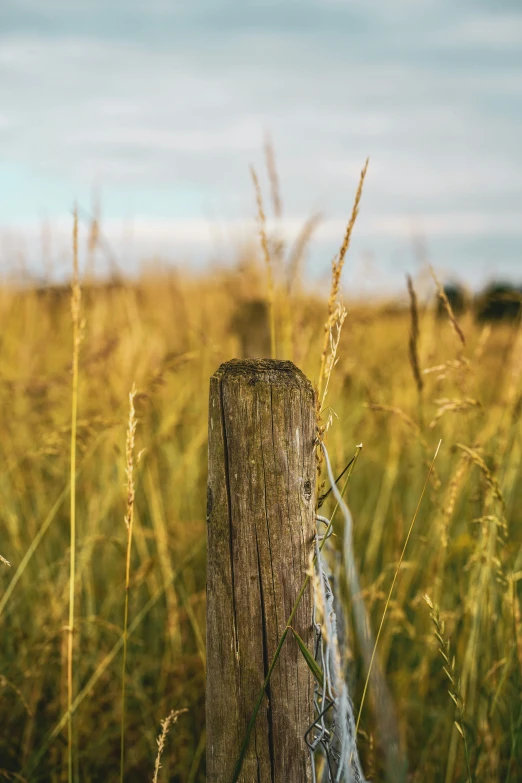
[{"x": 168, "y": 334}]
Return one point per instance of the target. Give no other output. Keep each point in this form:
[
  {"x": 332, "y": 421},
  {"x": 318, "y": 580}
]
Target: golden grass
[
  {"x": 449, "y": 668},
  {"x": 413, "y": 343},
  {"x": 337, "y": 268},
  {"x": 130, "y": 461},
  {"x": 76, "y": 334},
  {"x": 449, "y": 309},
  {"x": 166, "y": 725},
  {"x": 273, "y": 177},
  {"x": 168, "y": 335},
  {"x": 392, "y": 585},
  {"x": 263, "y": 236}
]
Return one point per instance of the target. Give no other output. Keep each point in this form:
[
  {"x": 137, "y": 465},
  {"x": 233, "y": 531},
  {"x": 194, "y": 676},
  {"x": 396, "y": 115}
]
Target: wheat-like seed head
[
  {"x": 166, "y": 724},
  {"x": 271, "y": 167},
  {"x": 414, "y": 336},
  {"x": 261, "y": 216},
  {"x": 447, "y": 306},
  {"x": 338, "y": 263},
  {"x": 453, "y": 491},
  {"x": 453, "y": 406},
  {"x": 297, "y": 251},
  {"x": 336, "y": 325},
  {"x": 491, "y": 481},
  {"x": 76, "y": 293},
  {"x": 449, "y": 667},
  {"x": 337, "y": 268},
  {"x": 129, "y": 455}
]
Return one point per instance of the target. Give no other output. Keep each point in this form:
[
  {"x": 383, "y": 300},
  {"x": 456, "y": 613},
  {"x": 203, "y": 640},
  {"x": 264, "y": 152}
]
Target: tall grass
[
  {"x": 166, "y": 725},
  {"x": 390, "y": 592},
  {"x": 129, "y": 524},
  {"x": 76, "y": 338},
  {"x": 464, "y": 551},
  {"x": 263, "y": 236},
  {"x": 337, "y": 269}
]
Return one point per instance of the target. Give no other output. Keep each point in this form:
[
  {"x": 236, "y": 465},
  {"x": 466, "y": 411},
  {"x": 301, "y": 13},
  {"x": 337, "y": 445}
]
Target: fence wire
[
  {"x": 331, "y": 739},
  {"x": 332, "y": 734}
]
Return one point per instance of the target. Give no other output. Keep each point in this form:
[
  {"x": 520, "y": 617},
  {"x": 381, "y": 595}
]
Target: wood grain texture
[{"x": 260, "y": 528}]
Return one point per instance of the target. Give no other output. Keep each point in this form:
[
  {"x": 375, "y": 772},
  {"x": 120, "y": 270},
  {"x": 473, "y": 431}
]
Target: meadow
[{"x": 405, "y": 378}]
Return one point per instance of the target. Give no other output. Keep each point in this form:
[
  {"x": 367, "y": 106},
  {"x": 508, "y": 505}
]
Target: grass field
[{"x": 398, "y": 395}]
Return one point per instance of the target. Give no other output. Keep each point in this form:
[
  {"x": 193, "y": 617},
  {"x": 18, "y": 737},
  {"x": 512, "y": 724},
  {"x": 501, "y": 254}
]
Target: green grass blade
[{"x": 309, "y": 658}]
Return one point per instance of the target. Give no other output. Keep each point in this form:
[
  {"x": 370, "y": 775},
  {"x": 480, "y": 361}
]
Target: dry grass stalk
[
  {"x": 512, "y": 397},
  {"x": 414, "y": 337},
  {"x": 76, "y": 293},
  {"x": 276, "y": 241},
  {"x": 490, "y": 478},
  {"x": 337, "y": 268},
  {"x": 296, "y": 255},
  {"x": 445, "y": 521},
  {"x": 129, "y": 459},
  {"x": 453, "y": 406},
  {"x": 166, "y": 724},
  {"x": 93, "y": 236},
  {"x": 36, "y": 350},
  {"x": 375, "y": 406},
  {"x": 268, "y": 261},
  {"x": 515, "y": 373},
  {"x": 77, "y": 330},
  {"x": 447, "y": 306},
  {"x": 336, "y": 325},
  {"x": 129, "y": 518},
  {"x": 450, "y": 672},
  {"x": 484, "y": 336},
  {"x": 292, "y": 271},
  {"x": 390, "y": 593},
  {"x": 4, "y": 561},
  {"x": 5, "y": 683},
  {"x": 317, "y": 591},
  {"x": 94, "y": 229},
  {"x": 453, "y": 492},
  {"x": 453, "y": 365},
  {"x": 271, "y": 168}
]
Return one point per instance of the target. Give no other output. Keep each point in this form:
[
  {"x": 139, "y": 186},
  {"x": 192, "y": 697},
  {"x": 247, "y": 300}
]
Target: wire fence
[{"x": 332, "y": 737}]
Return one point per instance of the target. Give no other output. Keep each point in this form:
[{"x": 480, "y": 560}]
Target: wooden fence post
[{"x": 260, "y": 529}]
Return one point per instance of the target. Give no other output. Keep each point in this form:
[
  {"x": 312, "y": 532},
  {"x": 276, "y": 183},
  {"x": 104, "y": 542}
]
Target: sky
[{"x": 159, "y": 107}]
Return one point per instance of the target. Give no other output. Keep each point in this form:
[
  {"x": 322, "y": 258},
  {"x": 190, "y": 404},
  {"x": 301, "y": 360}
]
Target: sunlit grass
[{"x": 168, "y": 336}]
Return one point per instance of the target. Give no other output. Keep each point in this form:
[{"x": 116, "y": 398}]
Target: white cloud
[
  {"x": 495, "y": 30},
  {"x": 440, "y": 124},
  {"x": 145, "y": 243},
  {"x": 166, "y": 234},
  {"x": 120, "y": 111}
]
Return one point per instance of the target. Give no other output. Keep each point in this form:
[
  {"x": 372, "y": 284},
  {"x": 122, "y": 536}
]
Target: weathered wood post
[{"x": 260, "y": 528}]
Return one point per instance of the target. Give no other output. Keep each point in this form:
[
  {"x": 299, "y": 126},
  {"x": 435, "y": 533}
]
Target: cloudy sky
[{"x": 162, "y": 105}]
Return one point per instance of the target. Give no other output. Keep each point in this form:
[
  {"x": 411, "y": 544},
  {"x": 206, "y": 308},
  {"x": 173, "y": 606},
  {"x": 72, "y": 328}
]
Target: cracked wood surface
[{"x": 260, "y": 527}]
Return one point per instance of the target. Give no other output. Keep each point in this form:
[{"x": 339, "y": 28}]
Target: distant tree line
[{"x": 497, "y": 302}]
